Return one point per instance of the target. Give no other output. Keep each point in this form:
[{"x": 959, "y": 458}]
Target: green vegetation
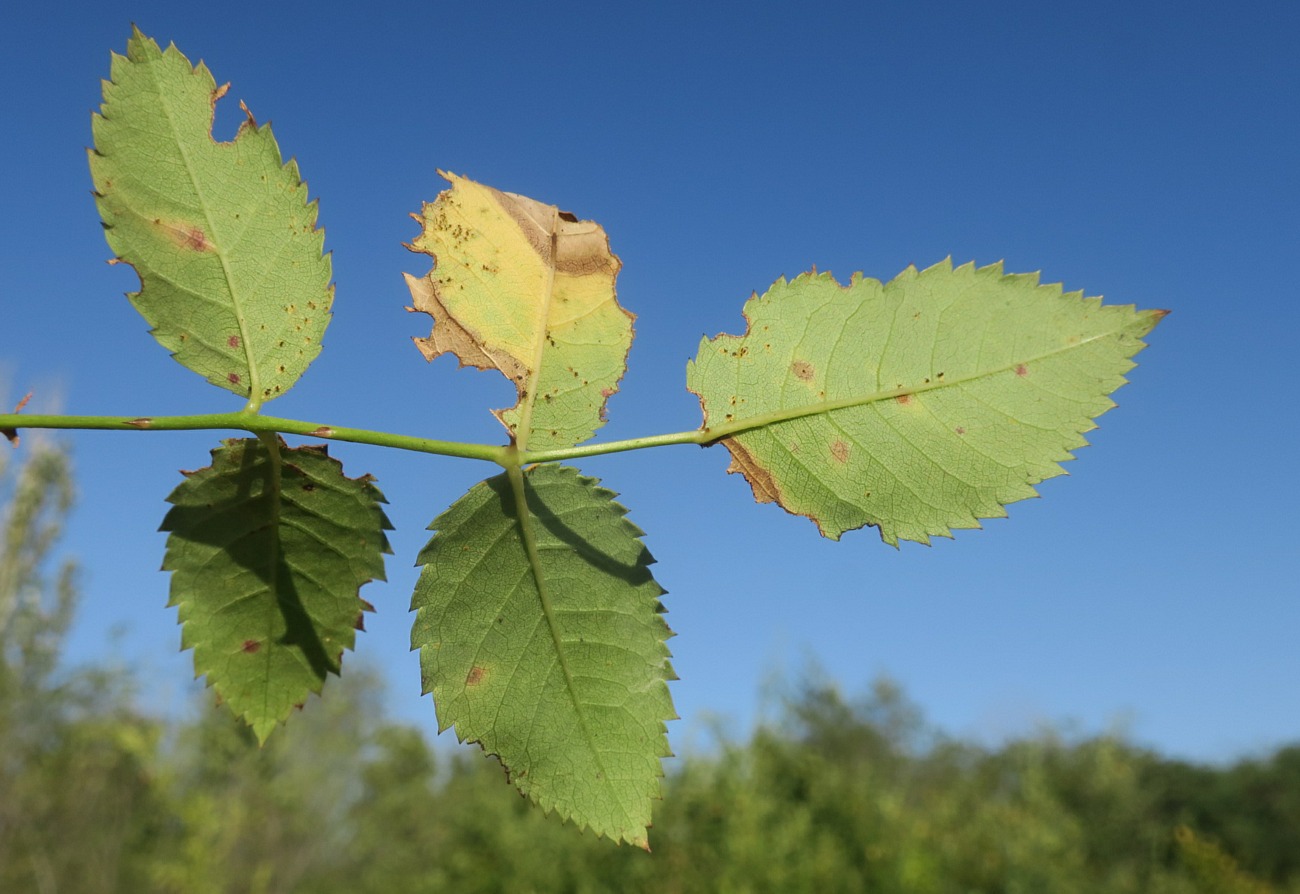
[
  {"x": 836, "y": 795},
  {"x": 917, "y": 406}
]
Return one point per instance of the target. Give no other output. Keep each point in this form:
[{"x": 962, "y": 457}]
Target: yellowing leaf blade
[
  {"x": 526, "y": 289},
  {"x": 917, "y": 406}
]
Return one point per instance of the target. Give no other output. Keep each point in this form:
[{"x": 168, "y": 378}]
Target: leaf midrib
[
  {"x": 528, "y": 534},
  {"x": 525, "y": 423},
  {"x": 787, "y": 414},
  {"x": 254, "y": 374}
]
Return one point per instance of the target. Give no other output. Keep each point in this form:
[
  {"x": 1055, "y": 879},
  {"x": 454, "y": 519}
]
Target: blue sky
[{"x": 1143, "y": 151}]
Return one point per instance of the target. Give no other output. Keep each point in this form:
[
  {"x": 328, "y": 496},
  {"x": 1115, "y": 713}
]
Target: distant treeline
[
  {"x": 835, "y": 795},
  {"x": 838, "y": 796}
]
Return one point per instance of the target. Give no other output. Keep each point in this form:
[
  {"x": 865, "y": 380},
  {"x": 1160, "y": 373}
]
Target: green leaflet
[
  {"x": 267, "y": 550},
  {"x": 232, "y": 276},
  {"x": 541, "y": 638},
  {"x": 526, "y": 289},
  {"x": 919, "y": 406}
]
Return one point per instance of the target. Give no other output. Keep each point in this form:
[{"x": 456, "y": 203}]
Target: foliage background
[
  {"x": 831, "y": 794},
  {"x": 1121, "y": 148}
]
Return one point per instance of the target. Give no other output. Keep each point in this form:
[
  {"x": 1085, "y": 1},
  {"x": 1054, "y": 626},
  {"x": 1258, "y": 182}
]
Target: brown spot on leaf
[
  {"x": 233, "y": 377},
  {"x": 803, "y": 370},
  {"x": 959, "y": 430},
  {"x": 475, "y": 675},
  {"x": 233, "y": 341},
  {"x": 840, "y": 452},
  {"x": 186, "y": 235},
  {"x": 1022, "y": 370},
  {"x": 250, "y": 646},
  {"x": 904, "y": 399}
]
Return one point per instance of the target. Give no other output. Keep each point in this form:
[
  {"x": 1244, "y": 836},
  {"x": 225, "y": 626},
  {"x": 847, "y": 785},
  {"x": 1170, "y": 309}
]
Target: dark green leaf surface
[
  {"x": 541, "y": 638},
  {"x": 233, "y": 279},
  {"x": 268, "y": 550},
  {"x": 918, "y": 406}
]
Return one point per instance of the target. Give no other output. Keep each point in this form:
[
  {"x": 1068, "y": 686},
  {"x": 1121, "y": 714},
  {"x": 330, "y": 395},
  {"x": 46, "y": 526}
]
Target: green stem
[
  {"x": 503, "y": 456},
  {"x": 700, "y": 436},
  {"x": 257, "y": 424}
]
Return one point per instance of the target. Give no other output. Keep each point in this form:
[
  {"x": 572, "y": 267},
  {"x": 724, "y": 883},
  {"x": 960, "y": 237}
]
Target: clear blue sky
[{"x": 1144, "y": 151}]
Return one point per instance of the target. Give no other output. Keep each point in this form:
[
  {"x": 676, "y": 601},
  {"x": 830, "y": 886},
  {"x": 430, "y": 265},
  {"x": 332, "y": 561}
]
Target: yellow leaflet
[{"x": 526, "y": 289}]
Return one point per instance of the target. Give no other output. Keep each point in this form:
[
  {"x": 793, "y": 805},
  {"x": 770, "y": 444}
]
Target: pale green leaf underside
[
  {"x": 919, "y": 406},
  {"x": 572, "y": 700},
  {"x": 266, "y": 566},
  {"x": 233, "y": 280}
]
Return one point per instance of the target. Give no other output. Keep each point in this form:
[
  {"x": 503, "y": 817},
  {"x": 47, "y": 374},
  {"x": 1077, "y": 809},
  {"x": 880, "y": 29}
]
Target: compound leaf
[
  {"x": 268, "y": 548},
  {"x": 526, "y": 289},
  {"x": 232, "y": 276},
  {"x": 541, "y": 638},
  {"x": 919, "y": 406}
]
